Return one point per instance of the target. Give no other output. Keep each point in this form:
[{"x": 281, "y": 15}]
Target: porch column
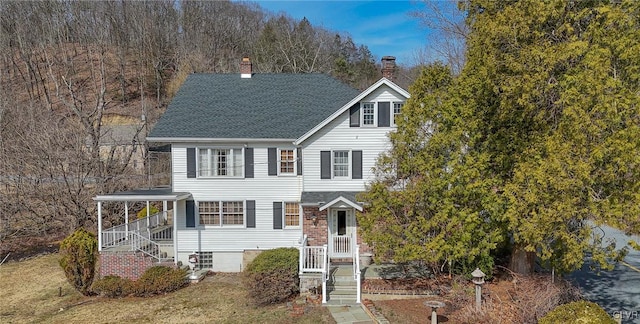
[
  {"x": 126, "y": 220},
  {"x": 99, "y": 226},
  {"x": 164, "y": 211},
  {"x": 148, "y": 214},
  {"x": 174, "y": 222}
]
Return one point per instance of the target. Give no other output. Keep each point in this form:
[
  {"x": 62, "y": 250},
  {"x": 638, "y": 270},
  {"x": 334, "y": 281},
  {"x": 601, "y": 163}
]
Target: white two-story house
[{"x": 261, "y": 161}]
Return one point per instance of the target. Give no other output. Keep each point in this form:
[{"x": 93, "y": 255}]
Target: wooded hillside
[{"x": 71, "y": 71}]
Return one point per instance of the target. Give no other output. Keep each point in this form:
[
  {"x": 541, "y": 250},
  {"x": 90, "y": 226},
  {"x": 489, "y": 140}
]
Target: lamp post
[{"x": 478, "y": 280}]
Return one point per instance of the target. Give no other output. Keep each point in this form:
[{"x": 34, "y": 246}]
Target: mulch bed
[{"x": 406, "y": 286}]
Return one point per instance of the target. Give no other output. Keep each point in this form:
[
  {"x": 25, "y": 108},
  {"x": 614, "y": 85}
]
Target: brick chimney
[
  {"x": 245, "y": 68},
  {"x": 389, "y": 67}
]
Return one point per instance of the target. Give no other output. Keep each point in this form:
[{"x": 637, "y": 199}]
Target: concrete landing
[{"x": 350, "y": 314}]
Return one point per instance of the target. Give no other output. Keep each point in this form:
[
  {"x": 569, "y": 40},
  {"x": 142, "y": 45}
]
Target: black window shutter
[
  {"x": 272, "y": 155},
  {"x": 325, "y": 164},
  {"x": 354, "y": 115},
  {"x": 277, "y": 215},
  {"x": 248, "y": 162},
  {"x": 356, "y": 164},
  {"x": 191, "y": 162},
  {"x": 251, "y": 214},
  {"x": 384, "y": 114},
  {"x": 299, "y": 161},
  {"x": 191, "y": 213}
]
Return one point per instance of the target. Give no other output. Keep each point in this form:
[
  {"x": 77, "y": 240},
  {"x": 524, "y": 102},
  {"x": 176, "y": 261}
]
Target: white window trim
[
  {"x": 349, "y": 158},
  {"x": 244, "y": 215},
  {"x": 375, "y": 114},
  {"x": 295, "y": 164},
  {"x": 284, "y": 212},
  {"x": 393, "y": 111},
  {"x": 231, "y": 156}
]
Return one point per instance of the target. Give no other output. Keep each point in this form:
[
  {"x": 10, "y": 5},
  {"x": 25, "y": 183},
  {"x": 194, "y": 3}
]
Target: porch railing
[
  {"x": 149, "y": 247},
  {"x": 150, "y": 227},
  {"x": 342, "y": 245},
  {"x": 315, "y": 259}
]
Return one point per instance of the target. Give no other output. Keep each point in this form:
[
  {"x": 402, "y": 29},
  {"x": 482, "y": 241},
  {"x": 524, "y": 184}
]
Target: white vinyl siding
[{"x": 338, "y": 135}]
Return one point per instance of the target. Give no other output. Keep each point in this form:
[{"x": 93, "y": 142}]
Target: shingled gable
[
  {"x": 353, "y": 101},
  {"x": 265, "y": 106}
]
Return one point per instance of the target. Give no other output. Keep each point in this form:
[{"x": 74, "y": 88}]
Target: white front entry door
[{"x": 342, "y": 232}]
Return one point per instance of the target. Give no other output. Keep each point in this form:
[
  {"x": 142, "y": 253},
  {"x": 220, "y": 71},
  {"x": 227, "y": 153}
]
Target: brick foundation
[{"x": 126, "y": 264}]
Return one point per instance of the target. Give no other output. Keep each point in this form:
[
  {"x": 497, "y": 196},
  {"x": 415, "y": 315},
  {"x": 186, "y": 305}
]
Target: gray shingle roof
[
  {"x": 263, "y": 106},
  {"x": 310, "y": 197}
]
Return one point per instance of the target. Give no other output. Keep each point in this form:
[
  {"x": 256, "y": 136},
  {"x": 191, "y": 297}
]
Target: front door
[{"x": 341, "y": 232}]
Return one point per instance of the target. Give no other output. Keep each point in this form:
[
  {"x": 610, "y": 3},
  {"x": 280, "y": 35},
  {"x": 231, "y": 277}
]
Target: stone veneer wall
[{"x": 126, "y": 264}]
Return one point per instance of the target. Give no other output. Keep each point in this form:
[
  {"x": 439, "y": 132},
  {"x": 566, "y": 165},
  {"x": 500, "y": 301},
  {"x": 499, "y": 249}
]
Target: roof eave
[
  {"x": 339, "y": 112},
  {"x": 216, "y": 140}
]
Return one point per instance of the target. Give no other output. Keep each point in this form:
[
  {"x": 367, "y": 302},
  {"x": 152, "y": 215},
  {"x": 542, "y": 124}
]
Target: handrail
[
  {"x": 356, "y": 271},
  {"x": 303, "y": 252},
  {"x": 148, "y": 247},
  {"x": 325, "y": 273},
  {"x": 139, "y": 226}
]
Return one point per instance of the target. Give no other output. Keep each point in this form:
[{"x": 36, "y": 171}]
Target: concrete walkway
[{"x": 350, "y": 314}]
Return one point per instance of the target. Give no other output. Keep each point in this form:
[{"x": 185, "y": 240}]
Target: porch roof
[
  {"x": 150, "y": 194},
  {"x": 325, "y": 199}
]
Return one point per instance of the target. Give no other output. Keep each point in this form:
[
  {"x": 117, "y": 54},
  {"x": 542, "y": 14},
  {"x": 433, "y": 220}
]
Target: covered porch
[
  {"x": 329, "y": 246},
  {"x": 152, "y": 236}
]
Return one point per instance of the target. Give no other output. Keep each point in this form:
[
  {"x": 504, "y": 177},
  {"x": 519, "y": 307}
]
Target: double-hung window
[
  {"x": 397, "y": 109},
  {"x": 287, "y": 162},
  {"x": 340, "y": 164},
  {"x": 221, "y": 213},
  {"x": 291, "y": 214},
  {"x": 213, "y": 162},
  {"x": 368, "y": 114}
]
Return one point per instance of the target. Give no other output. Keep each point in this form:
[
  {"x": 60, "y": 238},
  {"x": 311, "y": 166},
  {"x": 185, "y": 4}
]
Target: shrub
[
  {"x": 143, "y": 212},
  {"x": 113, "y": 286},
  {"x": 159, "y": 280},
  {"x": 577, "y": 312},
  {"x": 272, "y": 277},
  {"x": 79, "y": 257}
]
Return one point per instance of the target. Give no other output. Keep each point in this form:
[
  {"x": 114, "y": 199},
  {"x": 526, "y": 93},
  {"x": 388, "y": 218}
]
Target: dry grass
[{"x": 29, "y": 293}]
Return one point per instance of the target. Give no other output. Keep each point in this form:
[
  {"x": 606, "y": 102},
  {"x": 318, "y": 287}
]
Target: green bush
[
  {"x": 113, "y": 286},
  {"x": 272, "y": 277},
  {"x": 159, "y": 280},
  {"x": 577, "y": 312},
  {"x": 143, "y": 212},
  {"x": 79, "y": 257}
]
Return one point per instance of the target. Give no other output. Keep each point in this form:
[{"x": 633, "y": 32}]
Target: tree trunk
[{"x": 522, "y": 261}]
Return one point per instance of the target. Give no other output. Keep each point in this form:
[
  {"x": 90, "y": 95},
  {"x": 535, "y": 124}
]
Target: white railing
[
  {"x": 314, "y": 257},
  {"x": 114, "y": 238},
  {"x": 149, "y": 247},
  {"x": 325, "y": 274},
  {"x": 303, "y": 243},
  {"x": 118, "y": 235},
  {"x": 356, "y": 271},
  {"x": 342, "y": 245}
]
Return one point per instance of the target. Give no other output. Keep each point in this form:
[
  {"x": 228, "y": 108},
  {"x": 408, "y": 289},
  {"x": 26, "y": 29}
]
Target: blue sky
[{"x": 386, "y": 27}]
